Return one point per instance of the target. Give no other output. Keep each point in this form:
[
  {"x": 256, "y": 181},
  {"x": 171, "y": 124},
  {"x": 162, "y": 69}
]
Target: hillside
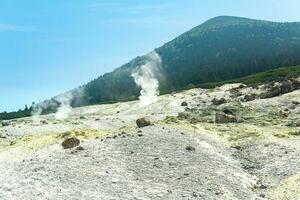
[{"x": 220, "y": 49}]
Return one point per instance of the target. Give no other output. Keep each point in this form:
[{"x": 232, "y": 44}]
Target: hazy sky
[{"x": 50, "y": 46}]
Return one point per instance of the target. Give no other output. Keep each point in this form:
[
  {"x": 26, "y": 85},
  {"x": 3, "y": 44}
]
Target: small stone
[
  {"x": 44, "y": 122},
  {"x": 80, "y": 148},
  {"x": 190, "y": 148},
  {"x": 140, "y": 134},
  {"x": 262, "y": 195}
]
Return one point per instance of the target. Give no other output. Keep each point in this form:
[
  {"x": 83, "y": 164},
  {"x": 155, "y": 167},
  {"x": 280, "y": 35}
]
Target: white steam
[
  {"x": 146, "y": 78},
  {"x": 35, "y": 113},
  {"x": 61, "y": 103},
  {"x": 65, "y": 108}
]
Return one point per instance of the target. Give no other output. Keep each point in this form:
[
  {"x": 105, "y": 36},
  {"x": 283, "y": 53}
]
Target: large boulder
[
  {"x": 286, "y": 87},
  {"x": 296, "y": 82},
  {"x": 142, "y": 122},
  {"x": 273, "y": 91},
  {"x": 70, "y": 143},
  {"x": 221, "y": 117}
]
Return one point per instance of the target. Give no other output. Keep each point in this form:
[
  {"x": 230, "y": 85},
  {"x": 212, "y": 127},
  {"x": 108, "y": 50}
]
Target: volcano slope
[{"x": 188, "y": 152}]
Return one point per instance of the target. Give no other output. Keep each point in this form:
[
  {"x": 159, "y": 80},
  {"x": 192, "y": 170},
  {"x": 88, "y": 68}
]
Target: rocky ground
[{"x": 231, "y": 142}]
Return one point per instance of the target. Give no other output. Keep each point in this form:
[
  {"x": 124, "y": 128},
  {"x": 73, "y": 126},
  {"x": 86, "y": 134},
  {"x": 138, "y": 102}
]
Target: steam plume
[
  {"x": 35, "y": 113},
  {"x": 65, "y": 108},
  {"x": 146, "y": 78}
]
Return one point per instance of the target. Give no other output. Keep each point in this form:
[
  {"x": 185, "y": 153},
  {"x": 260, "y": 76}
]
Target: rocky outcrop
[
  {"x": 281, "y": 88},
  {"x": 273, "y": 91},
  {"x": 286, "y": 87}
]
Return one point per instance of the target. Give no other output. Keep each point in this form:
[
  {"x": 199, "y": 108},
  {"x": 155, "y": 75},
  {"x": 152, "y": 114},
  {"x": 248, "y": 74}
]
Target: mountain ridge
[{"x": 222, "y": 48}]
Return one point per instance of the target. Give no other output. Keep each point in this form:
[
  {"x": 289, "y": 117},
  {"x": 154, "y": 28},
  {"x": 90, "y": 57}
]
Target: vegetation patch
[{"x": 278, "y": 74}]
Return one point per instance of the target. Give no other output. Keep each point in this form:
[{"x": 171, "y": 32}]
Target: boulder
[
  {"x": 286, "y": 87},
  {"x": 70, "y": 143},
  {"x": 142, "y": 122},
  {"x": 184, "y": 103},
  {"x": 222, "y": 117},
  {"x": 273, "y": 91},
  {"x": 6, "y": 123}
]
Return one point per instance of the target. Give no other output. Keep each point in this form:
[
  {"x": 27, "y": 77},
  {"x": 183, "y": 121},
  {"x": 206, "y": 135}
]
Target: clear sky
[{"x": 50, "y": 46}]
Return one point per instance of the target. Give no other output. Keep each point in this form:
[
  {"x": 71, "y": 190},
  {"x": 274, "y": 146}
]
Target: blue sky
[{"x": 50, "y": 46}]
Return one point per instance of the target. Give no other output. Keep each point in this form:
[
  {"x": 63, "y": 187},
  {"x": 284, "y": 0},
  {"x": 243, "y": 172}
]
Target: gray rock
[
  {"x": 142, "y": 122},
  {"x": 286, "y": 87},
  {"x": 222, "y": 117},
  {"x": 249, "y": 97},
  {"x": 6, "y": 123},
  {"x": 272, "y": 92},
  {"x": 295, "y": 82}
]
